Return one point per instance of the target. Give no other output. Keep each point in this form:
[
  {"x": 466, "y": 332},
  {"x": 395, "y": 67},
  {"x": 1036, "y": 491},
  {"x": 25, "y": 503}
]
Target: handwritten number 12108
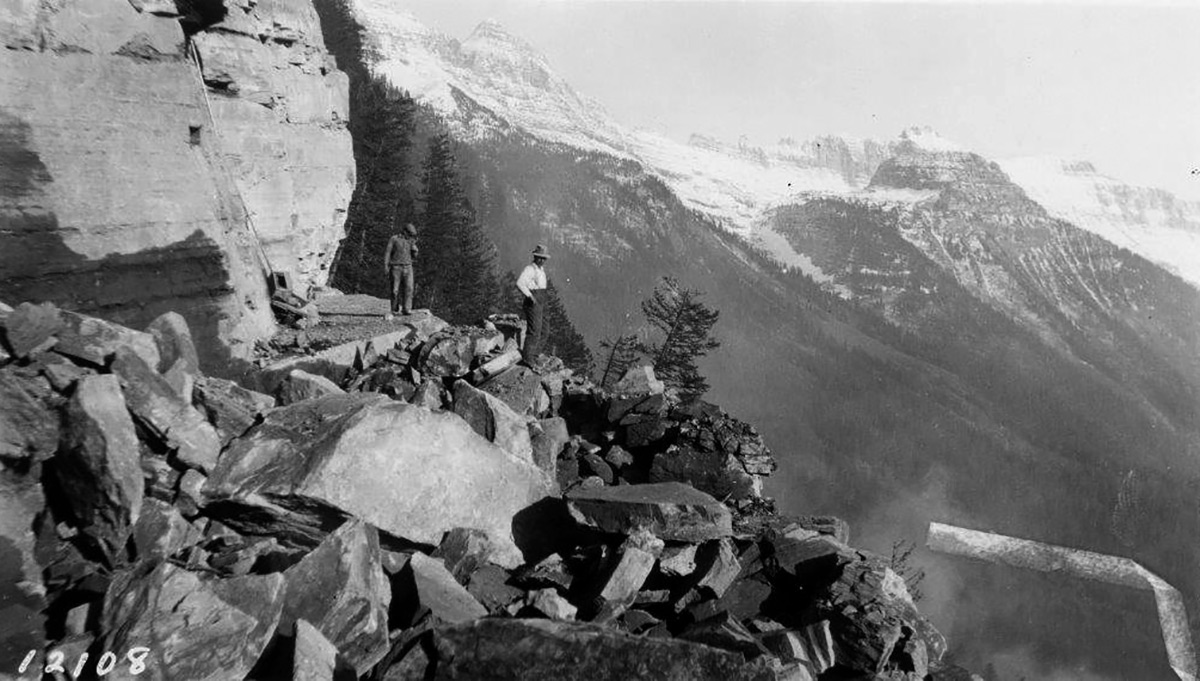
[{"x": 104, "y": 665}]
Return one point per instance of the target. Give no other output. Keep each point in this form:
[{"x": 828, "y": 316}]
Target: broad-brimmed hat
[
  {"x": 410, "y": 229},
  {"x": 541, "y": 252}
]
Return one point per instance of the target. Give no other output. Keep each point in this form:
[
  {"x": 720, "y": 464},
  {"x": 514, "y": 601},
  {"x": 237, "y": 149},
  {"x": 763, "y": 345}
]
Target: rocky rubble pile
[{"x": 432, "y": 512}]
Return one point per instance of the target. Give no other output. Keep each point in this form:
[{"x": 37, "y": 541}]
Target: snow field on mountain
[{"x": 1149, "y": 222}]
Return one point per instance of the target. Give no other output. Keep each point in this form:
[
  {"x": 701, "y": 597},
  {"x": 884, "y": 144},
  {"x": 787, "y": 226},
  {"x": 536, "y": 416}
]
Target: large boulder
[
  {"x": 494, "y": 420},
  {"x": 672, "y": 511},
  {"x": 408, "y": 471},
  {"x": 341, "y": 589},
  {"x": 95, "y": 341},
  {"x": 190, "y": 626},
  {"x": 231, "y": 408},
  {"x": 432, "y": 588},
  {"x": 99, "y": 466},
  {"x": 28, "y": 427},
  {"x": 30, "y": 329},
  {"x": 170, "y": 419},
  {"x": 496, "y": 648},
  {"x": 521, "y": 389}
]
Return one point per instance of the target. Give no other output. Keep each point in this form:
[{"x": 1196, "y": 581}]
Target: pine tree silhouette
[
  {"x": 686, "y": 326},
  {"x": 563, "y": 340},
  {"x": 383, "y": 128},
  {"x": 621, "y": 353},
  {"x": 456, "y": 271}
]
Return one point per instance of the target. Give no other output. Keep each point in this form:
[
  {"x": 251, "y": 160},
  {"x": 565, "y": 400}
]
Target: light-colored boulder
[
  {"x": 408, "y": 471},
  {"x": 301, "y": 385}
]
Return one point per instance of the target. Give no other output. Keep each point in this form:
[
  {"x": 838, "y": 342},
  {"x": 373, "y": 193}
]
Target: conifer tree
[
  {"x": 383, "y": 127},
  {"x": 456, "y": 270},
  {"x": 686, "y": 326},
  {"x": 618, "y": 356},
  {"x": 563, "y": 340}
]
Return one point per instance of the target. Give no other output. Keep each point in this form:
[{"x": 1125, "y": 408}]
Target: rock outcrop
[
  {"x": 368, "y": 533},
  {"x": 146, "y": 152}
]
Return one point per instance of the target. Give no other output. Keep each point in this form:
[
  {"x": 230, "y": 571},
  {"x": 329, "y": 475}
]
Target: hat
[
  {"x": 541, "y": 252},
  {"x": 410, "y": 229}
]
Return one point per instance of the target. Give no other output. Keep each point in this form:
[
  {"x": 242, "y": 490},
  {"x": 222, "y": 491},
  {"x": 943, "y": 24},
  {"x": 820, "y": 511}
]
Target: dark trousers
[
  {"x": 535, "y": 327},
  {"x": 402, "y": 288}
]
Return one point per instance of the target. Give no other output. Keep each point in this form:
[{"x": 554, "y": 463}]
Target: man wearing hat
[
  {"x": 398, "y": 259},
  {"x": 532, "y": 285}
]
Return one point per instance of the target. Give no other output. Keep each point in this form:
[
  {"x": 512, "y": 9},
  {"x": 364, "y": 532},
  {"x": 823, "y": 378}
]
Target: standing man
[
  {"x": 398, "y": 259},
  {"x": 532, "y": 284}
]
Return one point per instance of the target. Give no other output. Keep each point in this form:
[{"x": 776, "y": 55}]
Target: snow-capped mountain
[
  {"x": 493, "y": 81},
  {"x": 1150, "y": 222}
]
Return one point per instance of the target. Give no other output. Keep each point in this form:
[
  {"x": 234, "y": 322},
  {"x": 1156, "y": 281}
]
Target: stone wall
[{"x": 125, "y": 182}]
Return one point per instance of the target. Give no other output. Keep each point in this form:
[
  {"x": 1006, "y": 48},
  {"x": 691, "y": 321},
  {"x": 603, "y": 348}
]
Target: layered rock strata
[{"x": 131, "y": 183}]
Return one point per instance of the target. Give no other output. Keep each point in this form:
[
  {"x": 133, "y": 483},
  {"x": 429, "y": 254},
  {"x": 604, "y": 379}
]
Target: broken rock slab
[
  {"x": 494, "y": 420},
  {"x": 194, "y": 626},
  {"x": 30, "y": 329},
  {"x": 160, "y": 409},
  {"x": 410, "y": 472},
  {"x": 28, "y": 427},
  {"x": 521, "y": 389},
  {"x": 340, "y": 587},
  {"x": 95, "y": 341},
  {"x": 99, "y": 466},
  {"x": 499, "y": 648},
  {"x": 671, "y": 511},
  {"x": 435, "y": 590},
  {"x": 162, "y": 531},
  {"x": 314, "y": 658},
  {"x": 301, "y": 385},
  {"x": 463, "y": 551},
  {"x": 231, "y": 408}
]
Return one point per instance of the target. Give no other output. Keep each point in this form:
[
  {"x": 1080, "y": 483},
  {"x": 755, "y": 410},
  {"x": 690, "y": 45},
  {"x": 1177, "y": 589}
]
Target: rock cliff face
[
  {"x": 280, "y": 108},
  {"x": 127, "y": 182}
]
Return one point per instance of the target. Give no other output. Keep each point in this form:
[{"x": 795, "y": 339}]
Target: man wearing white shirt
[{"x": 532, "y": 285}]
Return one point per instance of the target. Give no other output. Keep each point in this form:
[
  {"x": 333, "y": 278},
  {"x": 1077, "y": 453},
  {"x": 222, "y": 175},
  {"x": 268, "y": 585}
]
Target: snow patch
[
  {"x": 927, "y": 139},
  {"x": 1149, "y": 222}
]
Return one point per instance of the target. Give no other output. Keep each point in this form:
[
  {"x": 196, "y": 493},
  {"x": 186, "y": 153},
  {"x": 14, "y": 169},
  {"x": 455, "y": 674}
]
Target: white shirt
[{"x": 532, "y": 278}]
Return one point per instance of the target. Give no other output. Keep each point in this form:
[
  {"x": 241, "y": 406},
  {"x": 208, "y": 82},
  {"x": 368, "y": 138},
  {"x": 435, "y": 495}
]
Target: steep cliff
[{"x": 128, "y": 183}]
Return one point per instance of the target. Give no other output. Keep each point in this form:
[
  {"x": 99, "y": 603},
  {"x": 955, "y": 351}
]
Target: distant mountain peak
[{"x": 925, "y": 138}]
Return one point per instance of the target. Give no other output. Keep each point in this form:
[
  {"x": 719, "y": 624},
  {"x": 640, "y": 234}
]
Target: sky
[{"x": 1115, "y": 84}]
